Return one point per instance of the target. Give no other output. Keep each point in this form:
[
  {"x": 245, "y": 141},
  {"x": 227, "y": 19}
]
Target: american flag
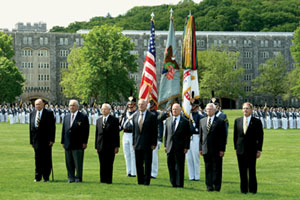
[{"x": 148, "y": 87}]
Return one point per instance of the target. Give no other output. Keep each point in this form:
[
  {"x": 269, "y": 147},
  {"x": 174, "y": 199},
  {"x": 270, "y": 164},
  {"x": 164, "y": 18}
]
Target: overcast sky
[{"x": 64, "y": 12}]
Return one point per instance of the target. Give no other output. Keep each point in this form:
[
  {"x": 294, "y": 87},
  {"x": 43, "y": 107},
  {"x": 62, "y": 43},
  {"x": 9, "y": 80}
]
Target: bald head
[
  {"x": 142, "y": 104},
  {"x": 73, "y": 105},
  {"x": 176, "y": 109},
  {"x": 39, "y": 104}
]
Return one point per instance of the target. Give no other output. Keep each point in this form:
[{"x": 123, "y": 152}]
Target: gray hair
[
  {"x": 107, "y": 105},
  {"x": 75, "y": 101},
  {"x": 211, "y": 104}
]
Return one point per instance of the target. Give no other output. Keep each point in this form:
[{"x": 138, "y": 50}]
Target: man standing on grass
[
  {"x": 74, "y": 139},
  {"x": 144, "y": 141},
  {"x": 212, "y": 132},
  {"x": 42, "y": 137},
  {"x": 248, "y": 142},
  {"x": 107, "y": 142}
]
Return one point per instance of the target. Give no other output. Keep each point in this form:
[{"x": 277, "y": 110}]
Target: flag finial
[
  {"x": 152, "y": 15},
  {"x": 171, "y": 13}
]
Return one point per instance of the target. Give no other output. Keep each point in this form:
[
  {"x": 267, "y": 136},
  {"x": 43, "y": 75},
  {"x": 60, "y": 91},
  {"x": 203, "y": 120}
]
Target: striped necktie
[
  {"x": 209, "y": 124},
  {"x": 245, "y": 124},
  {"x": 37, "y": 119}
]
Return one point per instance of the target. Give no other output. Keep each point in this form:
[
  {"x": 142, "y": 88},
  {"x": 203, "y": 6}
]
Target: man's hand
[
  {"x": 153, "y": 147},
  {"x": 258, "y": 154},
  {"x": 166, "y": 149},
  {"x": 201, "y": 153},
  {"x": 84, "y": 146},
  {"x": 63, "y": 145},
  {"x": 116, "y": 150},
  {"x": 133, "y": 147},
  {"x": 51, "y": 143},
  {"x": 221, "y": 154},
  {"x": 185, "y": 151}
]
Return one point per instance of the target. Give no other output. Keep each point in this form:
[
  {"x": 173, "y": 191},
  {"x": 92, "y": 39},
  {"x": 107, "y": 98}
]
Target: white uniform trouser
[
  {"x": 27, "y": 118},
  {"x": 129, "y": 154},
  {"x": 193, "y": 158},
  {"x": 6, "y": 117},
  {"x": 16, "y": 118},
  {"x": 22, "y": 118},
  {"x": 154, "y": 168},
  {"x": 291, "y": 122},
  {"x": 57, "y": 118},
  {"x": 62, "y": 117},
  {"x": 284, "y": 123},
  {"x": 298, "y": 122},
  {"x": 269, "y": 123},
  {"x": 11, "y": 119},
  {"x": 94, "y": 119},
  {"x": 275, "y": 123},
  {"x": 263, "y": 122},
  {"x": 1, "y": 117},
  {"x": 90, "y": 118}
]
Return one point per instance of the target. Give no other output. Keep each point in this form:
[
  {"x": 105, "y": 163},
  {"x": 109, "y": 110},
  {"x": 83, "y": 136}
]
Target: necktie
[
  {"x": 37, "y": 119},
  {"x": 245, "y": 125},
  {"x": 141, "y": 121},
  {"x": 104, "y": 122},
  {"x": 174, "y": 124},
  {"x": 72, "y": 119},
  {"x": 209, "y": 124}
]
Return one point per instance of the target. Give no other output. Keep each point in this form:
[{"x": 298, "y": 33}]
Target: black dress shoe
[
  {"x": 71, "y": 181},
  {"x": 77, "y": 180},
  {"x": 36, "y": 180},
  {"x": 46, "y": 180},
  {"x": 153, "y": 177},
  {"x": 210, "y": 189}
]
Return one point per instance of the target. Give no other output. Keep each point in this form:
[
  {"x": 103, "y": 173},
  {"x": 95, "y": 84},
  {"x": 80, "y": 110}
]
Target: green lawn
[{"x": 278, "y": 171}]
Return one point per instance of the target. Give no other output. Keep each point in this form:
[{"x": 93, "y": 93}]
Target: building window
[
  {"x": 77, "y": 41},
  {"x": 41, "y": 41},
  {"x": 30, "y": 40},
  {"x": 136, "y": 42},
  {"x": 63, "y": 65},
  {"x": 66, "y": 41},
  {"x": 248, "y": 77},
  {"x": 265, "y": 54},
  {"x": 276, "y": 53},
  {"x": 248, "y": 54},
  {"x": 134, "y": 52},
  {"x": 46, "y": 41},
  {"x": 63, "y": 53},
  {"x": 145, "y": 43},
  {"x": 179, "y": 43},
  {"x": 247, "y": 65},
  {"x": 247, "y": 88},
  {"x": 266, "y": 43},
  {"x": 277, "y": 43},
  {"x": 202, "y": 43},
  {"x": 61, "y": 41},
  {"x": 81, "y": 41},
  {"x": 24, "y": 40},
  {"x": 43, "y": 53}
]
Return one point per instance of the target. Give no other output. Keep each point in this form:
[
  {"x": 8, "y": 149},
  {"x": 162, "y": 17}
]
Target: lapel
[
  {"x": 250, "y": 125},
  {"x": 76, "y": 119},
  {"x": 179, "y": 124},
  {"x": 213, "y": 124},
  {"x": 145, "y": 119},
  {"x": 169, "y": 124}
]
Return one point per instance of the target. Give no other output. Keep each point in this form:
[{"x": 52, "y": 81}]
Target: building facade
[{"x": 41, "y": 55}]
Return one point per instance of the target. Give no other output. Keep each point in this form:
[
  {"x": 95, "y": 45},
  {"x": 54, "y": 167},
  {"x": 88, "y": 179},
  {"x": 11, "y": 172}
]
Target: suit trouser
[
  {"x": 106, "y": 159},
  {"x": 193, "y": 158},
  {"x": 213, "y": 171},
  {"x": 154, "y": 168},
  {"x": 74, "y": 162},
  {"x": 129, "y": 154},
  {"x": 43, "y": 162},
  {"x": 175, "y": 161},
  {"x": 143, "y": 159},
  {"x": 247, "y": 164}
]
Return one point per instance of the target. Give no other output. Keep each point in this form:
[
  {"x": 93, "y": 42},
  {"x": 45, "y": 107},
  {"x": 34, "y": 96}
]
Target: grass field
[{"x": 278, "y": 171}]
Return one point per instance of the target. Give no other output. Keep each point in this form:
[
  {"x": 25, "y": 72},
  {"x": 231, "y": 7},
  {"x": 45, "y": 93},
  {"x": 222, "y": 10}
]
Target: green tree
[
  {"x": 295, "y": 48},
  {"x": 218, "y": 72},
  {"x": 101, "y": 68},
  {"x": 11, "y": 79},
  {"x": 273, "y": 79}
]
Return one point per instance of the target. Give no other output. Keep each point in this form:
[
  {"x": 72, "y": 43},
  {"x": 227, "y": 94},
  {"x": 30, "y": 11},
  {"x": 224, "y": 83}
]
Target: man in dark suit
[
  {"x": 42, "y": 137},
  {"x": 74, "y": 139},
  {"x": 107, "y": 142},
  {"x": 248, "y": 141},
  {"x": 177, "y": 143},
  {"x": 212, "y": 132},
  {"x": 144, "y": 141}
]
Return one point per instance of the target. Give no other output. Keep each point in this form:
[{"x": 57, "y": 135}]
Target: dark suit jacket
[
  {"x": 77, "y": 135},
  {"x": 252, "y": 141},
  {"x": 45, "y": 133},
  {"x": 143, "y": 140},
  {"x": 107, "y": 138},
  {"x": 214, "y": 141},
  {"x": 180, "y": 139}
]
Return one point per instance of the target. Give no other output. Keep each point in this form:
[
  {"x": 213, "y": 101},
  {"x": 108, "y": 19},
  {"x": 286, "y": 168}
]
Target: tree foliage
[
  {"x": 11, "y": 79},
  {"x": 218, "y": 72},
  {"x": 101, "y": 68},
  {"x": 211, "y": 15},
  {"x": 273, "y": 79}
]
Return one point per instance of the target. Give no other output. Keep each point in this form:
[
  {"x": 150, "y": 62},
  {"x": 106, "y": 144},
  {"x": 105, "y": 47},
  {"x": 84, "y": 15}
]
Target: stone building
[{"x": 40, "y": 55}]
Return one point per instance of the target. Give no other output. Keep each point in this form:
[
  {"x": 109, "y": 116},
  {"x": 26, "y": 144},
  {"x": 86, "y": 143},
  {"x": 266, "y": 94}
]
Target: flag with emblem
[
  {"x": 148, "y": 87},
  {"x": 169, "y": 88},
  {"x": 190, "y": 65}
]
